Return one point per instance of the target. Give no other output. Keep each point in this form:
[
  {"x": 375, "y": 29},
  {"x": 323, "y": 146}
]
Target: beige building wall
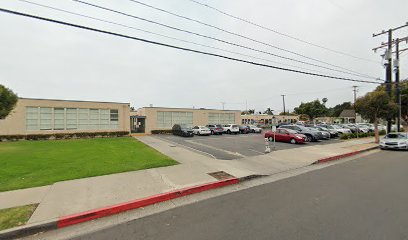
[
  {"x": 268, "y": 119},
  {"x": 15, "y": 123},
  {"x": 200, "y": 116}
]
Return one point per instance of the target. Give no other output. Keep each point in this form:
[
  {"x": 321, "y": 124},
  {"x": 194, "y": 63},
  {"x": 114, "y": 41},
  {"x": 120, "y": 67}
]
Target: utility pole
[
  {"x": 397, "y": 85},
  {"x": 355, "y": 93},
  {"x": 284, "y": 108},
  {"x": 388, "y": 64},
  {"x": 223, "y": 104}
]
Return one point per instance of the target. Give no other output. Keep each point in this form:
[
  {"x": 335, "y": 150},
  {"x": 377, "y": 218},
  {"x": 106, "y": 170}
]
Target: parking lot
[{"x": 228, "y": 147}]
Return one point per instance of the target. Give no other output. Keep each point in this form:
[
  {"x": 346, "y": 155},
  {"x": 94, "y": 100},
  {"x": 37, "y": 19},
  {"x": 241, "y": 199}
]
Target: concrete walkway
[{"x": 70, "y": 197}]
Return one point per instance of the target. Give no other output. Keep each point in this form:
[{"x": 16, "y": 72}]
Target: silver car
[{"x": 395, "y": 141}]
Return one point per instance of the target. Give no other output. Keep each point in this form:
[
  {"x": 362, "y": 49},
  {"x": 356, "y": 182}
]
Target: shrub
[
  {"x": 165, "y": 131},
  {"x": 59, "y": 136}
]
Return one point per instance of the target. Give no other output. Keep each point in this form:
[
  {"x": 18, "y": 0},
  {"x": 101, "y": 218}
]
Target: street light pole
[{"x": 284, "y": 108}]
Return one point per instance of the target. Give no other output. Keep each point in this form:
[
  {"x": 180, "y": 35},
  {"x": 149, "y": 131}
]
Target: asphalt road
[
  {"x": 228, "y": 147},
  {"x": 366, "y": 198}
]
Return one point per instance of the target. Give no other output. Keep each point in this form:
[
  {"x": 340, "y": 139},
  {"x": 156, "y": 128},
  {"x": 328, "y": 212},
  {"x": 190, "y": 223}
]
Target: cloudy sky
[{"x": 46, "y": 60}]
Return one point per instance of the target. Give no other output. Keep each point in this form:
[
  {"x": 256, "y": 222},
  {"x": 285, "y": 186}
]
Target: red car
[{"x": 286, "y": 135}]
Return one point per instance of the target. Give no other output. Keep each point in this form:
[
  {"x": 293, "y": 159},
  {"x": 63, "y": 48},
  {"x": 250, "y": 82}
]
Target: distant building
[
  {"x": 349, "y": 116},
  {"x": 264, "y": 119}
]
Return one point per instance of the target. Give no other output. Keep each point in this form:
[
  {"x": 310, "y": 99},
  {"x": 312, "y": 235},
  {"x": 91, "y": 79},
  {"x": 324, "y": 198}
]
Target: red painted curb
[
  {"x": 111, "y": 210},
  {"x": 337, "y": 157}
]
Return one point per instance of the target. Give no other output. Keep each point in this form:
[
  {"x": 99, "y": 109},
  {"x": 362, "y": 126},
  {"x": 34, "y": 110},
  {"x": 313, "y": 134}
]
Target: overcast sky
[{"x": 45, "y": 60}]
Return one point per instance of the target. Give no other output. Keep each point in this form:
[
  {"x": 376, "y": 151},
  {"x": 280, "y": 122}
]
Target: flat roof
[
  {"x": 66, "y": 100},
  {"x": 195, "y": 109}
]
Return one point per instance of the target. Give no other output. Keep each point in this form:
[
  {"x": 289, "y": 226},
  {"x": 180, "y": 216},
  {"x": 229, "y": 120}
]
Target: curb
[
  {"x": 337, "y": 157},
  {"x": 70, "y": 220}
]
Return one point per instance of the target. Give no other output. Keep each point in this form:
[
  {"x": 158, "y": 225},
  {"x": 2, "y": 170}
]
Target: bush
[
  {"x": 59, "y": 136},
  {"x": 360, "y": 135},
  {"x": 165, "y": 131}
]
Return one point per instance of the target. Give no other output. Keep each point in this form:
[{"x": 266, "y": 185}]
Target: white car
[
  {"x": 254, "y": 129},
  {"x": 201, "y": 130},
  {"x": 231, "y": 128},
  {"x": 339, "y": 129},
  {"x": 395, "y": 141}
]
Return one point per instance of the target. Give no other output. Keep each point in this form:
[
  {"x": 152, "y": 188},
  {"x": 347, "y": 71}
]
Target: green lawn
[
  {"x": 17, "y": 216},
  {"x": 25, "y": 164}
]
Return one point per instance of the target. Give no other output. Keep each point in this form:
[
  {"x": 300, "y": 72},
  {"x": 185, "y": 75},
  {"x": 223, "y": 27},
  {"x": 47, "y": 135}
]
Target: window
[
  {"x": 168, "y": 119},
  {"x": 114, "y": 118},
  {"x": 32, "y": 118},
  {"x": 72, "y": 118},
  {"x": 83, "y": 118},
  {"x": 59, "y": 118},
  {"x": 46, "y": 118},
  {"x": 221, "y": 118}
]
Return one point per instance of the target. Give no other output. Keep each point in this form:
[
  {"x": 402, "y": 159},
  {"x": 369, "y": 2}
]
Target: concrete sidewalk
[{"x": 70, "y": 197}]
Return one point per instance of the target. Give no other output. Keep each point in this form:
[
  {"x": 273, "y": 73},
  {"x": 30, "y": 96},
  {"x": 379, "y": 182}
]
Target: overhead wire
[
  {"x": 162, "y": 35},
  {"x": 178, "y": 47},
  {"x": 243, "y": 36},
  {"x": 217, "y": 39},
  {"x": 280, "y": 33}
]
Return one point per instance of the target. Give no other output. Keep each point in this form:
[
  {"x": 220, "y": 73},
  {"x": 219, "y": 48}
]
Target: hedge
[
  {"x": 165, "y": 131},
  {"x": 62, "y": 136},
  {"x": 360, "y": 135}
]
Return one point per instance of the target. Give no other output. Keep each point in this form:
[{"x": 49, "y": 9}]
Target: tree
[
  {"x": 268, "y": 111},
  {"x": 374, "y": 106},
  {"x": 250, "y": 111},
  {"x": 8, "y": 100},
  {"x": 404, "y": 100},
  {"x": 312, "y": 109},
  {"x": 336, "y": 110}
]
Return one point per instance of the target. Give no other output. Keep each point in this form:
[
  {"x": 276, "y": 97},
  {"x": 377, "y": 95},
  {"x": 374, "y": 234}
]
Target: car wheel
[
  {"x": 293, "y": 141},
  {"x": 270, "y": 139},
  {"x": 228, "y": 131},
  {"x": 212, "y": 132},
  {"x": 309, "y": 138}
]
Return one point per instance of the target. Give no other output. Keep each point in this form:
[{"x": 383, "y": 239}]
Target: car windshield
[
  {"x": 397, "y": 136},
  {"x": 218, "y": 126},
  {"x": 291, "y": 131},
  {"x": 185, "y": 127},
  {"x": 234, "y": 126}
]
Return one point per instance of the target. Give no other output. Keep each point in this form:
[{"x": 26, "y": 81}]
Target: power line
[
  {"x": 217, "y": 39},
  {"x": 240, "y": 35},
  {"x": 280, "y": 33},
  {"x": 177, "y": 47},
  {"x": 165, "y": 36}
]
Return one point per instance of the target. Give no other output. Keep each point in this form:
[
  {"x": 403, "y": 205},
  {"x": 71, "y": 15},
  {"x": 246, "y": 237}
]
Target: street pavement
[{"x": 365, "y": 198}]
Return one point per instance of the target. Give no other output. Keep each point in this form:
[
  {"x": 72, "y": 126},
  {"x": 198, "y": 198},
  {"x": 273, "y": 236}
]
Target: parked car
[
  {"x": 325, "y": 134},
  {"x": 368, "y": 126},
  {"x": 333, "y": 133},
  {"x": 215, "y": 129},
  {"x": 285, "y": 135},
  {"x": 231, "y": 128},
  {"x": 244, "y": 129},
  {"x": 254, "y": 129},
  {"x": 182, "y": 130},
  {"x": 311, "y": 135},
  {"x": 338, "y": 129},
  {"x": 201, "y": 130},
  {"x": 395, "y": 140},
  {"x": 355, "y": 127}
]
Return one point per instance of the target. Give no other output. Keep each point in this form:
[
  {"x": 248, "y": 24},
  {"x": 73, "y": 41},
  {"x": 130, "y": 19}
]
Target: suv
[
  {"x": 243, "y": 129},
  {"x": 182, "y": 130},
  {"x": 215, "y": 129},
  {"x": 231, "y": 128},
  {"x": 311, "y": 135}
]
